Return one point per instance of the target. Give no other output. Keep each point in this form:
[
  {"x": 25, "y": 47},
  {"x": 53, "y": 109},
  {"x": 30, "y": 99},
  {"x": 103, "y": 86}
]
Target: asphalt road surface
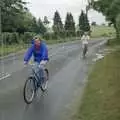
[{"x": 68, "y": 72}]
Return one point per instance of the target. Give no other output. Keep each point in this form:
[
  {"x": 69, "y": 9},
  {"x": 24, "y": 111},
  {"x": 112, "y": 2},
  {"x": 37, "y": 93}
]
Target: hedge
[{"x": 16, "y": 38}]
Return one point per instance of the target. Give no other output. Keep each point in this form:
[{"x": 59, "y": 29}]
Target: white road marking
[{"x": 4, "y": 76}]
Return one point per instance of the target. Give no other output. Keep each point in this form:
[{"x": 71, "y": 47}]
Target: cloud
[{"x": 95, "y": 16}]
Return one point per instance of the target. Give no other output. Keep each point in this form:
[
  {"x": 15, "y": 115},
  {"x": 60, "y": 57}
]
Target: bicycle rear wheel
[
  {"x": 84, "y": 51},
  {"x": 44, "y": 85},
  {"x": 29, "y": 91}
]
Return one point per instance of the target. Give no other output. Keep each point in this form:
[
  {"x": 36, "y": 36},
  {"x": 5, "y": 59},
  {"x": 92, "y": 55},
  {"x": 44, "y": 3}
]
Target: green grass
[
  {"x": 113, "y": 43},
  {"x": 101, "y": 100},
  {"x": 102, "y": 31},
  {"x": 19, "y": 48},
  {"x": 11, "y": 49}
]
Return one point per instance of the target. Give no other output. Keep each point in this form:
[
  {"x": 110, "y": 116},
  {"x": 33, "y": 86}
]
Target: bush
[
  {"x": 10, "y": 38},
  {"x": 15, "y": 38},
  {"x": 104, "y": 35},
  {"x": 118, "y": 24},
  {"x": 27, "y": 37},
  {"x": 50, "y": 36},
  {"x": 47, "y": 36},
  {"x": 7, "y": 38}
]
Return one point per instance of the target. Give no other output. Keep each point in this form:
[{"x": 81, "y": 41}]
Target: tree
[
  {"x": 57, "y": 24},
  {"x": 24, "y": 22},
  {"x": 11, "y": 12},
  {"x": 81, "y": 21},
  {"x": 69, "y": 25},
  {"x": 84, "y": 22},
  {"x": 40, "y": 27},
  {"x": 118, "y": 24},
  {"x": 29, "y": 21},
  {"x": 32, "y": 24},
  {"x": 87, "y": 25},
  {"x": 46, "y": 21},
  {"x": 110, "y": 9},
  {"x": 93, "y": 23},
  {"x": 103, "y": 24}
]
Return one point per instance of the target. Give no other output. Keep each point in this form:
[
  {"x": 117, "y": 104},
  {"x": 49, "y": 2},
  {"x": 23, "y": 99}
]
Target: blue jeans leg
[{"x": 41, "y": 76}]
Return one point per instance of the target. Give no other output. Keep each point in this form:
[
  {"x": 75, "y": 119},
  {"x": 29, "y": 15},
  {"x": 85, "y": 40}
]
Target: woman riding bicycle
[
  {"x": 39, "y": 51},
  {"x": 84, "y": 40}
]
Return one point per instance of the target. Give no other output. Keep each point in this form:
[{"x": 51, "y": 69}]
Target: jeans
[{"x": 40, "y": 71}]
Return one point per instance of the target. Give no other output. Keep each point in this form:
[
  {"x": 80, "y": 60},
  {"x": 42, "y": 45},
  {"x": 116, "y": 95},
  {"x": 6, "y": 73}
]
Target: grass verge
[
  {"x": 102, "y": 31},
  {"x": 102, "y": 94},
  {"x": 6, "y": 50}
]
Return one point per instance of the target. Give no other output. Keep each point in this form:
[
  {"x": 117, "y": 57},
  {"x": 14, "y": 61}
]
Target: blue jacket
[
  {"x": 32, "y": 42},
  {"x": 39, "y": 55}
]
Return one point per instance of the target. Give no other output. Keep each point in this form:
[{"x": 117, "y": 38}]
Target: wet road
[{"x": 67, "y": 74}]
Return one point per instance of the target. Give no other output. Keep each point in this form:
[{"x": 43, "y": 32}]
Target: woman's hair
[{"x": 37, "y": 37}]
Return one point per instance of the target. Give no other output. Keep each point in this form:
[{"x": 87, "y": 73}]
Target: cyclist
[
  {"x": 84, "y": 40},
  {"x": 39, "y": 51}
]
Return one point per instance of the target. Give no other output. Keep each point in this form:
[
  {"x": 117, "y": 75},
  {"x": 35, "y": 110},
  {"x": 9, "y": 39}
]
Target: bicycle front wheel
[{"x": 29, "y": 91}]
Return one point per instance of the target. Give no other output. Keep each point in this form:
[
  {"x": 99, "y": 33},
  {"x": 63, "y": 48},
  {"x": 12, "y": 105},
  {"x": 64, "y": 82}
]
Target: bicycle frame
[{"x": 85, "y": 48}]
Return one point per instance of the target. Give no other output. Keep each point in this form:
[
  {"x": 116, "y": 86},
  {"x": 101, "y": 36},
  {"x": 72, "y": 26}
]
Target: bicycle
[
  {"x": 85, "y": 49},
  {"x": 34, "y": 82}
]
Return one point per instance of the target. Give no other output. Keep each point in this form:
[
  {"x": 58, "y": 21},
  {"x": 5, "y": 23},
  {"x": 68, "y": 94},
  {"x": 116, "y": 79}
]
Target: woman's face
[{"x": 37, "y": 43}]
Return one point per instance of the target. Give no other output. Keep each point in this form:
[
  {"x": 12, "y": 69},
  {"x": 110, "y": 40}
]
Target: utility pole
[
  {"x": 2, "y": 47},
  {"x": 0, "y": 21}
]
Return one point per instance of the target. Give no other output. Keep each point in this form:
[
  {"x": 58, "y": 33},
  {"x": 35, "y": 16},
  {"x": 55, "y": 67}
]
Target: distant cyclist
[
  {"x": 39, "y": 51},
  {"x": 85, "y": 38}
]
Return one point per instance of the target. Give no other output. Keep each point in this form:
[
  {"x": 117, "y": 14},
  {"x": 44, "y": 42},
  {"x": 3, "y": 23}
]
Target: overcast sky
[{"x": 41, "y": 8}]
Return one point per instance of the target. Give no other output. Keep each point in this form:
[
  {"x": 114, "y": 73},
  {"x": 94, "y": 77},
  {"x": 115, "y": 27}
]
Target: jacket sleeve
[
  {"x": 44, "y": 51},
  {"x": 28, "y": 54}
]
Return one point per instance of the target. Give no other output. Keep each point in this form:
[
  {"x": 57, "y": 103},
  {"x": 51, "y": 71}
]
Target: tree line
[{"x": 18, "y": 24}]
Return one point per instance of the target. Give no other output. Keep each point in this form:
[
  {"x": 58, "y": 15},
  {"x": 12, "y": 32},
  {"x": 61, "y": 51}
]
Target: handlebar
[{"x": 34, "y": 64}]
